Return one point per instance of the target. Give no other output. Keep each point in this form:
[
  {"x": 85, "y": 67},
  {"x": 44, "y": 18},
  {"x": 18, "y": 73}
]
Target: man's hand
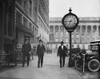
[{"x": 30, "y": 52}]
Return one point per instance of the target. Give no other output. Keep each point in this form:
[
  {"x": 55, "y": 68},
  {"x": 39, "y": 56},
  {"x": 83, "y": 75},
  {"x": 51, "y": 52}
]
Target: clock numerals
[{"x": 70, "y": 21}]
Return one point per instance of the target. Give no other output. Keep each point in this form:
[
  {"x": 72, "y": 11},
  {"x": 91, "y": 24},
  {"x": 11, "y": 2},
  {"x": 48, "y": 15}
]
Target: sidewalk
[{"x": 50, "y": 70}]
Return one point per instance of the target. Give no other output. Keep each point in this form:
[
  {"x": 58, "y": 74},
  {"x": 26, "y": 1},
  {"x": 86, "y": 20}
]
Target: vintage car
[{"x": 90, "y": 58}]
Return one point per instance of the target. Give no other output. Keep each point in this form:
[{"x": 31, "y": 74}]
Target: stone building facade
[
  {"x": 26, "y": 21},
  {"x": 21, "y": 19},
  {"x": 43, "y": 20},
  {"x": 88, "y": 30}
]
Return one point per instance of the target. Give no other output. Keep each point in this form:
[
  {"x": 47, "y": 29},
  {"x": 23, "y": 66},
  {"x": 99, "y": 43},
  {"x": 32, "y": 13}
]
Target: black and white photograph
[{"x": 49, "y": 39}]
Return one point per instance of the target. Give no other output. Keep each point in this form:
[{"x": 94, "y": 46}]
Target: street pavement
[{"x": 50, "y": 70}]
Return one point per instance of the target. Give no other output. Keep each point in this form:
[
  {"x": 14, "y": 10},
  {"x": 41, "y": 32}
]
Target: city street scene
[{"x": 49, "y": 39}]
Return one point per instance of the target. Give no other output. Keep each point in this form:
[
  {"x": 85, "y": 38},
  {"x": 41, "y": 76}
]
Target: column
[
  {"x": 1, "y": 25},
  {"x": 86, "y": 34},
  {"x": 59, "y": 33},
  {"x": 54, "y": 32},
  {"x": 97, "y": 32},
  {"x": 92, "y": 38},
  {"x": 80, "y": 34},
  {"x": 64, "y": 35}
]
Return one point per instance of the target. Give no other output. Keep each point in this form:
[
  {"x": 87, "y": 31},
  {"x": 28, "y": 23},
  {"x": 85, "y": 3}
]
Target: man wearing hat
[
  {"x": 26, "y": 48},
  {"x": 62, "y": 52},
  {"x": 40, "y": 53}
]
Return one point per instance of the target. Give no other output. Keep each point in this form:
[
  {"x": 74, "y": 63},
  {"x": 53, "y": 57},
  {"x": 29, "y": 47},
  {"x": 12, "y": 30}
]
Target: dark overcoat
[
  {"x": 62, "y": 52},
  {"x": 26, "y": 48},
  {"x": 40, "y": 50}
]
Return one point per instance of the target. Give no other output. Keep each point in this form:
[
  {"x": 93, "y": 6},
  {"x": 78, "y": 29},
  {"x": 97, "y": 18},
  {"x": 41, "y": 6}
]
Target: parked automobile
[
  {"x": 92, "y": 61},
  {"x": 73, "y": 56}
]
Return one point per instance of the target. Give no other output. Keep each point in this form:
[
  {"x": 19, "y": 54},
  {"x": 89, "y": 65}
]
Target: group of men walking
[{"x": 26, "y": 50}]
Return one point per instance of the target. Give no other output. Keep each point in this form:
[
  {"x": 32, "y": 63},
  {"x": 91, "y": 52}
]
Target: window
[
  {"x": 25, "y": 5},
  {"x": 94, "y": 28},
  {"x": 89, "y": 29},
  {"x": 62, "y": 31},
  {"x": 10, "y": 21},
  {"x": 30, "y": 8},
  {"x": 30, "y": 26},
  {"x": 78, "y": 46},
  {"x": 51, "y": 28},
  {"x": 51, "y": 37},
  {"x": 83, "y": 29},
  {"x": 78, "y": 28},
  {"x": 83, "y": 46},
  {"x": 56, "y": 40},
  {"x": 18, "y": 19},
  {"x": 67, "y": 40},
  {"x": 56, "y": 28},
  {"x": 99, "y": 30},
  {"x": 25, "y": 22}
]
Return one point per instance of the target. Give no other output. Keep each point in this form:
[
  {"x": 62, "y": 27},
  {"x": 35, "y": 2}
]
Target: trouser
[
  {"x": 62, "y": 61},
  {"x": 40, "y": 60},
  {"x": 27, "y": 59},
  {"x": 32, "y": 55}
]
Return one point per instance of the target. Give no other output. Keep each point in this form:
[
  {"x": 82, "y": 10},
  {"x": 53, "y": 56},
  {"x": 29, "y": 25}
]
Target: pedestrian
[
  {"x": 26, "y": 49},
  {"x": 62, "y": 53},
  {"x": 40, "y": 53}
]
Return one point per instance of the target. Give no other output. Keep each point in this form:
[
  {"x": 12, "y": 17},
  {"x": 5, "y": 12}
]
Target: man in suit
[
  {"x": 26, "y": 48},
  {"x": 40, "y": 53},
  {"x": 62, "y": 52}
]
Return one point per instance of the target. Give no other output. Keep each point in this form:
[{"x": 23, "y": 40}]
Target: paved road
[{"x": 50, "y": 70}]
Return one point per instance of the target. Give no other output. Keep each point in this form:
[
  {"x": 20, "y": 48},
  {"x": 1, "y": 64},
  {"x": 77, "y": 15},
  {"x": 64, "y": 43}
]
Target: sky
[{"x": 82, "y": 8}]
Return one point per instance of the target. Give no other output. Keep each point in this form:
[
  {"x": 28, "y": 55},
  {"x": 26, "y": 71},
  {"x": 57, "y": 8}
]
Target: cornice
[
  {"x": 81, "y": 19},
  {"x": 23, "y": 12}
]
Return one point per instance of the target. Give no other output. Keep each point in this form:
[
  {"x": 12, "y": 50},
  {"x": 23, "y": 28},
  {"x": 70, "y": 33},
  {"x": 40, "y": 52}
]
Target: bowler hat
[
  {"x": 40, "y": 40},
  {"x": 62, "y": 42}
]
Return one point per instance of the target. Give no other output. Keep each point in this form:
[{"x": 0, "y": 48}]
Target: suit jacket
[
  {"x": 40, "y": 50},
  {"x": 62, "y": 52}
]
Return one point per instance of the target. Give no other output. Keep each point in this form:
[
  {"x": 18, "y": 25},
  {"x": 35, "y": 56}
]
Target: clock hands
[{"x": 70, "y": 23}]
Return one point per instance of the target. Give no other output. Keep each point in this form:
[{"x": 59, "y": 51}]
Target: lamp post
[{"x": 70, "y": 22}]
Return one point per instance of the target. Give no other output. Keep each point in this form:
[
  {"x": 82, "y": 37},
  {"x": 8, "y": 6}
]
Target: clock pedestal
[{"x": 70, "y": 22}]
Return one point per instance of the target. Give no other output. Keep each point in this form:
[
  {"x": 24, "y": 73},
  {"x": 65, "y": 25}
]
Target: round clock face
[{"x": 70, "y": 21}]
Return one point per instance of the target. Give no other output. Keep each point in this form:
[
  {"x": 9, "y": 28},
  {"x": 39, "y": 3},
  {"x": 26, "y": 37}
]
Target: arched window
[
  {"x": 89, "y": 29},
  {"x": 62, "y": 31},
  {"x": 99, "y": 30},
  {"x": 78, "y": 28},
  {"x": 56, "y": 31},
  {"x": 94, "y": 28},
  {"x": 56, "y": 28},
  {"x": 83, "y": 29},
  {"x": 51, "y": 28}
]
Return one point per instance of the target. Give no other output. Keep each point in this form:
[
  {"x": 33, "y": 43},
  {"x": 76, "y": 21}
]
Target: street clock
[{"x": 70, "y": 21}]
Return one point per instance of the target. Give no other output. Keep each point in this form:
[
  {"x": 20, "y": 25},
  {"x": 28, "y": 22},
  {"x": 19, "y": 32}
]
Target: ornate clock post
[{"x": 70, "y": 22}]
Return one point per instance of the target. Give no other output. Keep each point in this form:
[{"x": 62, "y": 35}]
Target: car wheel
[
  {"x": 79, "y": 64},
  {"x": 94, "y": 65}
]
